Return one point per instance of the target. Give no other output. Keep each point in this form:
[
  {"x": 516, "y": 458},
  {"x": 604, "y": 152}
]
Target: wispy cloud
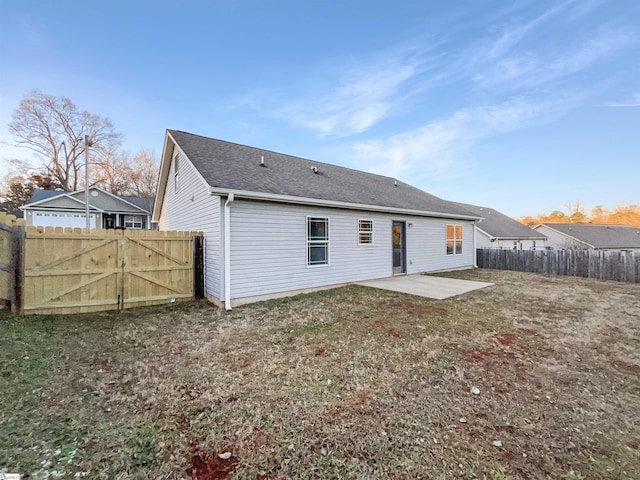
[
  {"x": 528, "y": 69},
  {"x": 632, "y": 100},
  {"x": 515, "y": 34},
  {"x": 366, "y": 95},
  {"x": 436, "y": 146}
]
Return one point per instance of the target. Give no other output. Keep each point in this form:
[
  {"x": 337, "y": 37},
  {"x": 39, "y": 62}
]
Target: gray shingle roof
[
  {"x": 40, "y": 194},
  {"x": 499, "y": 225},
  {"x": 600, "y": 236},
  {"x": 112, "y": 204},
  {"x": 232, "y": 166},
  {"x": 146, "y": 203}
]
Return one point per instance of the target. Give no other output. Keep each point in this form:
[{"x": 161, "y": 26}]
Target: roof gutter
[
  {"x": 227, "y": 251},
  {"x": 272, "y": 197}
]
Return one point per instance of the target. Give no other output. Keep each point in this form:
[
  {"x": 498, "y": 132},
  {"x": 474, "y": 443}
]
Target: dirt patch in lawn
[
  {"x": 534, "y": 377},
  {"x": 205, "y": 465},
  {"x": 407, "y": 307}
]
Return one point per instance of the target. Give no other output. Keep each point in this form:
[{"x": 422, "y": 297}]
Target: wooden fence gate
[{"x": 76, "y": 270}]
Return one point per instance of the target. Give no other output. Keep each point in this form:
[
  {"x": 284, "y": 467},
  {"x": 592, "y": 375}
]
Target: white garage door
[{"x": 52, "y": 219}]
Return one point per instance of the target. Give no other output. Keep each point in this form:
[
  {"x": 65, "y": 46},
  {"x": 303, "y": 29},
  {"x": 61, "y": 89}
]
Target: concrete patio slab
[{"x": 425, "y": 285}]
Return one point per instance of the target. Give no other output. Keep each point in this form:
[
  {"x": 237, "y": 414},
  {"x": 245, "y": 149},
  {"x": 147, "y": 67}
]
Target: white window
[
  {"x": 176, "y": 183},
  {"x": 454, "y": 239},
  {"x": 133, "y": 221},
  {"x": 317, "y": 241},
  {"x": 365, "y": 232}
]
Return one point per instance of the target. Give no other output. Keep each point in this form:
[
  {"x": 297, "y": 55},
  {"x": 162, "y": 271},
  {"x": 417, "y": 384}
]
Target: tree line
[
  {"x": 54, "y": 130},
  {"x": 578, "y": 213}
]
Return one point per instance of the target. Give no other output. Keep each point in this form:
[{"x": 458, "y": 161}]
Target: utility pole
[{"x": 87, "y": 144}]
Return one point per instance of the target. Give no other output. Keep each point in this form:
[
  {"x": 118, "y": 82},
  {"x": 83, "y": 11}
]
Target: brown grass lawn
[{"x": 347, "y": 383}]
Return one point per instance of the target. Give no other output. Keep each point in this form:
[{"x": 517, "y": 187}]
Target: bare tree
[
  {"x": 113, "y": 173},
  {"x": 576, "y": 212},
  {"x": 54, "y": 129},
  {"x": 622, "y": 214},
  {"x": 145, "y": 170},
  {"x": 121, "y": 174}
]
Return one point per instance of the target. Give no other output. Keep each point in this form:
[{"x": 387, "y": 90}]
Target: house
[
  {"x": 57, "y": 208},
  {"x": 277, "y": 224},
  {"x": 587, "y": 236},
  {"x": 496, "y": 230}
]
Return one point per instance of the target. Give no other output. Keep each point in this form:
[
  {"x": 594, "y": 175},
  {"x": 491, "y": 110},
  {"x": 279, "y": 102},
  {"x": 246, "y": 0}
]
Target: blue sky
[{"x": 522, "y": 106}]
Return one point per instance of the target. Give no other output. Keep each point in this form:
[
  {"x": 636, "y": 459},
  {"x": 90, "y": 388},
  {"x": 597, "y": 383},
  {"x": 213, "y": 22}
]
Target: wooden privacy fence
[
  {"x": 11, "y": 231},
  {"x": 622, "y": 266},
  {"x": 64, "y": 270}
]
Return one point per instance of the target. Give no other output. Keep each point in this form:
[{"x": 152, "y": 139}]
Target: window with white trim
[
  {"x": 176, "y": 183},
  {"x": 133, "y": 221},
  {"x": 317, "y": 241},
  {"x": 365, "y": 232},
  {"x": 454, "y": 239}
]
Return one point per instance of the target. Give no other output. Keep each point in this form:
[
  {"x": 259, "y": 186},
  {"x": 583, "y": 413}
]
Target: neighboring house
[
  {"x": 57, "y": 208},
  {"x": 586, "y": 236},
  {"x": 496, "y": 230},
  {"x": 277, "y": 224}
]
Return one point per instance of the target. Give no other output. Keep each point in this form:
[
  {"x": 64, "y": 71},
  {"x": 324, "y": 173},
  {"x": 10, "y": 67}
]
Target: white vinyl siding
[
  {"x": 176, "y": 179},
  {"x": 557, "y": 240},
  {"x": 269, "y": 248},
  {"x": 483, "y": 241},
  {"x": 425, "y": 245},
  {"x": 194, "y": 208}
]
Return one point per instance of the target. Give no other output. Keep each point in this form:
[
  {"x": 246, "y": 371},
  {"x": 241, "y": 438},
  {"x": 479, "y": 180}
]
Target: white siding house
[
  {"x": 276, "y": 224},
  {"x": 280, "y": 253},
  {"x": 55, "y": 208},
  {"x": 486, "y": 241},
  {"x": 188, "y": 205},
  {"x": 572, "y": 236}
]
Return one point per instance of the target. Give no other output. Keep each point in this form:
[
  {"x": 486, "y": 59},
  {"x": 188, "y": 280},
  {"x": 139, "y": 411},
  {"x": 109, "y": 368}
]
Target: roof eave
[
  {"x": 54, "y": 197},
  {"x": 165, "y": 164},
  {"x": 521, "y": 238},
  {"x": 272, "y": 197}
]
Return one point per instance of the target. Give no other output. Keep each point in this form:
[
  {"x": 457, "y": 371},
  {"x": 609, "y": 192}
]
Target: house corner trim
[{"x": 227, "y": 251}]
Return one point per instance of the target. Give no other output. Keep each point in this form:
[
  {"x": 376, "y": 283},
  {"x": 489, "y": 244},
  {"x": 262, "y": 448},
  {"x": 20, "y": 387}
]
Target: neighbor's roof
[
  {"x": 103, "y": 200},
  {"x": 235, "y": 167},
  {"x": 146, "y": 203},
  {"x": 600, "y": 236},
  {"x": 40, "y": 194},
  {"x": 500, "y": 226}
]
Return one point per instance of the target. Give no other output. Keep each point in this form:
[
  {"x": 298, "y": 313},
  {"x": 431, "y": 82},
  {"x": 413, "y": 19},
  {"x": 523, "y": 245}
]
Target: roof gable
[
  {"x": 599, "y": 236},
  {"x": 98, "y": 199},
  {"x": 39, "y": 194},
  {"x": 234, "y": 167},
  {"x": 61, "y": 201},
  {"x": 106, "y": 201}
]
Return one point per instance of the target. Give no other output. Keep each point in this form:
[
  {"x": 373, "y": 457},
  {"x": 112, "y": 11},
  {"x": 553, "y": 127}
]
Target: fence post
[
  {"x": 198, "y": 267},
  {"x": 18, "y": 239}
]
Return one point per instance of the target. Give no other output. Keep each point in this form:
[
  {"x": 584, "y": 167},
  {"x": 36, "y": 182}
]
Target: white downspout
[
  {"x": 227, "y": 252},
  {"x": 475, "y": 249}
]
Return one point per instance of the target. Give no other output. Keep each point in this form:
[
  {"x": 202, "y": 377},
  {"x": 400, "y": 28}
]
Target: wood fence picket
[{"x": 622, "y": 266}]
